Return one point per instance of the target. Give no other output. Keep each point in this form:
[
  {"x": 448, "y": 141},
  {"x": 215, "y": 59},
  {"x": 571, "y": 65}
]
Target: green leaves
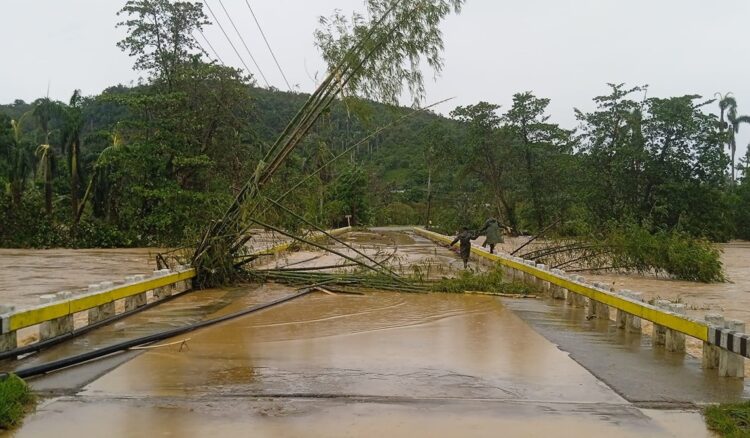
[
  {"x": 399, "y": 36},
  {"x": 16, "y": 399},
  {"x": 160, "y": 35}
]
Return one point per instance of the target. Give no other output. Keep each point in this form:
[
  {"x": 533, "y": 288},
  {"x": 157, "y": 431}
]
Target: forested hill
[{"x": 135, "y": 167}]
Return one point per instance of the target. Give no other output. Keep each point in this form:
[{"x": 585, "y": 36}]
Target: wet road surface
[
  {"x": 627, "y": 361},
  {"x": 325, "y": 365}
]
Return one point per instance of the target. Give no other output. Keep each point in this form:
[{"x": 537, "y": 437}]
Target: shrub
[
  {"x": 490, "y": 281},
  {"x": 15, "y": 400},
  {"x": 729, "y": 420},
  {"x": 677, "y": 253},
  {"x": 398, "y": 213}
]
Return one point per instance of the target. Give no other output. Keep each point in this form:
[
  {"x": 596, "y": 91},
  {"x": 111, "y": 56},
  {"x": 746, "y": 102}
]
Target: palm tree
[
  {"x": 99, "y": 176},
  {"x": 72, "y": 144},
  {"x": 734, "y": 121},
  {"x": 20, "y": 161},
  {"x": 46, "y": 159},
  {"x": 43, "y": 112},
  {"x": 725, "y": 101},
  {"x": 728, "y": 107}
]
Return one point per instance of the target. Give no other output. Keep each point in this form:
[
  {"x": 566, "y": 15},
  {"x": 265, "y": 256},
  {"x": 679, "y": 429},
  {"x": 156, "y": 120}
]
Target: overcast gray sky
[{"x": 565, "y": 50}]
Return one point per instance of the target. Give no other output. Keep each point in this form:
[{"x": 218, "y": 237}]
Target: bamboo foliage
[{"x": 367, "y": 49}]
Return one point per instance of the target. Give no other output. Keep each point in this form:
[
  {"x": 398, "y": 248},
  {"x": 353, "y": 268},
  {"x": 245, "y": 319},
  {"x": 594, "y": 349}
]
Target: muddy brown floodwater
[
  {"x": 342, "y": 365},
  {"x": 732, "y": 298},
  {"x": 28, "y": 273},
  {"x": 377, "y": 364}
]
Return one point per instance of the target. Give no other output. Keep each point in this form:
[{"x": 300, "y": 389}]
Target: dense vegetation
[
  {"x": 162, "y": 165},
  {"x": 488, "y": 282},
  {"x": 16, "y": 399},
  {"x": 731, "y": 420},
  {"x": 152, "y": 164}
]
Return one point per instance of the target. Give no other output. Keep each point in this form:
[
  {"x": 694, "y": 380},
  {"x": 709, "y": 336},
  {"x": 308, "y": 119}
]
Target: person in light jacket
[{"x": 493, "y": 234}]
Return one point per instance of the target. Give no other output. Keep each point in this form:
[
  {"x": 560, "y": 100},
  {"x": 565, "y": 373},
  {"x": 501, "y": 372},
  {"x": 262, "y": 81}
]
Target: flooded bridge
[{"x": 375, "y": 362}]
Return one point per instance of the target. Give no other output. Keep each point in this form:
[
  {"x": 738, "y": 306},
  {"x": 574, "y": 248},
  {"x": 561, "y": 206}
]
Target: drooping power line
[
  {"x": 263, "y": 34},
  {"x": 243, "y": 43},
  {"x": 216, "y": 54},
  {"x": 242, "y": 60}
]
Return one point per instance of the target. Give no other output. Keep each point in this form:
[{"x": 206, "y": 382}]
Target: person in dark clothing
[{"x": 465, "y": 237}]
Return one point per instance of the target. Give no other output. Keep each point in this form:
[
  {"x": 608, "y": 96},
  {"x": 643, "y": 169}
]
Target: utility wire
[
  {"x": 263, "y": 34},
  {"x": 244, "y": 44},
  {"x": 216, "y": 54},
  {"x": 242, "y": 60}
]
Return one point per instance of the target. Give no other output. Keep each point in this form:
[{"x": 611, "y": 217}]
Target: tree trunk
[
  {"x": 429, "y": 198},
  {"x": 48, "y": 187},
  {"x": 74, "y": 177},
  {"x": 16, "y": 191},
  {"x": 734, "y": 150}
]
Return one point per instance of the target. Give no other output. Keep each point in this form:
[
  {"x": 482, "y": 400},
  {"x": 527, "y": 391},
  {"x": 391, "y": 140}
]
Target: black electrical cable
[
  {"x": 229, "y": 40},
  {"x": 83, "y": 330},
  {"x": 244, "y": 44},
  {"x": 263, "y": 34},
  {"x": 216, "y": 54},
  {"x": 125, "y": 345}
]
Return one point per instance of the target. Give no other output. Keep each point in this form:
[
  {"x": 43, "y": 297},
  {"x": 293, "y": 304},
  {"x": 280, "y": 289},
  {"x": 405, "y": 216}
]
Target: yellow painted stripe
[
  {"x": 37, "y": 315},
  {"x": 27, "y": 318},
  {"x": 672, "y": 321}
]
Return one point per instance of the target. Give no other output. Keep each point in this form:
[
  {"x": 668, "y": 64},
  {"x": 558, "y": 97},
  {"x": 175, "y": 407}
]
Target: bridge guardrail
[
  {"x": 55, "y": 314},
  {"x": 728, "y": 338}
]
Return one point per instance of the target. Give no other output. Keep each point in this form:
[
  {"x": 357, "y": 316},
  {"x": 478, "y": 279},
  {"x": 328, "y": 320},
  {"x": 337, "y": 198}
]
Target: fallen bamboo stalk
[
  {"x": 151, "y": 347},
  {"x": 535, "y": 237}
]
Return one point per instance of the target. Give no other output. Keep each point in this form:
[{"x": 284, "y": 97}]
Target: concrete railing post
[
  {"x": 600, "y": 309},
  {"x": 622, "y": 317},
  {"x": 103, "y": 311},
  {"x": 507, "y": 275},
  {"x": 711, "y": 353},
  {"x": 578, "y": 299},
  {"x": 163, "y": 292},
  {"x": 633, "y": 322},
  {"x": 54, "y": 327},
  {"x": 558, "y": 292},
  {"x": 591, "y": 310},
  {"x": 570, "y": 298},
  {"x": 529, "y": 278},
  {"x": 659, "y": 333},
  {"x": 542, "y": 285},
  {"x": 731, "y": 364},
  {"x": 135, "y": 301},
  {"x": 675, "y": 341},
  {"x": 9, "y": 340}
]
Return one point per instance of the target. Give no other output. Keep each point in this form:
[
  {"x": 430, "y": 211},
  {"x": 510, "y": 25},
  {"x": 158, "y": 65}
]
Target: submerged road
[{"x": 343, "y": 365}]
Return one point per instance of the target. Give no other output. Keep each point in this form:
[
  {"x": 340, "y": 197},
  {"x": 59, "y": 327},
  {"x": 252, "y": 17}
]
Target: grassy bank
[
  {"x": 16, "y": 400},
  {"x": 729, "y": 420},
  {"x": 490, "y": 281}
]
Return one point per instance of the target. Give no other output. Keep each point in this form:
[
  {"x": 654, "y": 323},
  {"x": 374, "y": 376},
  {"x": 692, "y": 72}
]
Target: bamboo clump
[{"x": 222, "y": 248}]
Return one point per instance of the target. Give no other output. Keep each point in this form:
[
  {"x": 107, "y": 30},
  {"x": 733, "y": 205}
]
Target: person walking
[
  {"x": 465, "y": 237},
  {"x": 492, "y": 233}
]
